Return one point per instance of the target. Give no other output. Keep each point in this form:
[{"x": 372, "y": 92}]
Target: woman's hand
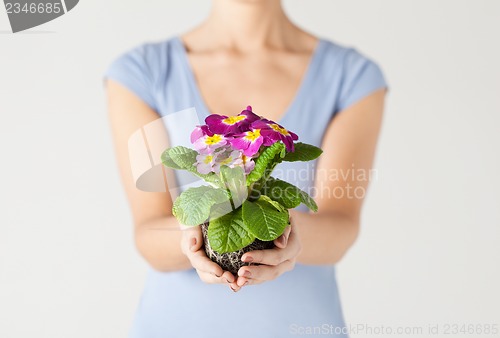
[
  {"x": 209, "y": 272},
  {"x": 274, "y": 262}
]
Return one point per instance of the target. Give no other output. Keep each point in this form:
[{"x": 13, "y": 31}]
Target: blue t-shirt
[{"x": 304, "y": 300}]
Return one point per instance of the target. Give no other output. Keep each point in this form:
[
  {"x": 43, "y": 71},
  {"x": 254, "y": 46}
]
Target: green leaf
[
  {"x": 303, "y": 152},
  {"x": 182, "y": 158},
  {"x": 179, "y": 158},
  {"x": 287, "y": 194},
  {"x": 234, "y": 180},
  {"x": 263, "y": 220},
  {"x": 228, "y": 234},
  {"x": 269, "y": 157},
  {"x": 193, "y": 206}
]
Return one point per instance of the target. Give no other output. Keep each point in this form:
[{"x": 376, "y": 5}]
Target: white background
[{"x": 429, "y": 250}]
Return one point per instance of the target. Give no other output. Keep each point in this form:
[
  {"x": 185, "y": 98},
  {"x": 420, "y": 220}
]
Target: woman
[{"x": 250, "y": 53}]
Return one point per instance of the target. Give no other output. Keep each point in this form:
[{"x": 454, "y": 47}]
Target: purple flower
[
  {"x": 273, "y": 132},
  {"x": 227, "y": 125}
]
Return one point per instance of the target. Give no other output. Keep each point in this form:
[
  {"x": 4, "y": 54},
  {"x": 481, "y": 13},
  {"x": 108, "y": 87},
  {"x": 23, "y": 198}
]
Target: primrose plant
[{"x": 242, "y": 204}]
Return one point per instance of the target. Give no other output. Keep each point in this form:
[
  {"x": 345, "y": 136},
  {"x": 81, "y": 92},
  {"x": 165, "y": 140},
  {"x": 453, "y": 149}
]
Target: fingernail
[
  {"x": 247, "y": 274},
  {"x": 246, "y": 283},
  {"x": 193, "y": 243},
  {"x": 232, "y": 288},
  {"x": 247, "y": 259}
]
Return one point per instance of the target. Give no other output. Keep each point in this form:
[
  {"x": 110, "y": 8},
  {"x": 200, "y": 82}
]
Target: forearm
[
  {"x": 325, "y": 237},
  {"x": 158, "y": 241}
]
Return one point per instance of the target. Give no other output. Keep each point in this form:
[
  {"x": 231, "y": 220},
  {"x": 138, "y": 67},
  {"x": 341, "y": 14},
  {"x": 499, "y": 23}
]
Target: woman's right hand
[{"x": 209, "y": 272}]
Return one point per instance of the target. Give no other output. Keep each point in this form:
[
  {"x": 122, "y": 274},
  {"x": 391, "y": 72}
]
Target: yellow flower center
[
  {"x": 208, "y": 159},
  {"x": 253, "y": 135},
  {"x": 233, "y": 119},
  {"x": 213, "y": 139},
  {"x": 279, "y": 129},
  {"x": 226, "y": 161}
]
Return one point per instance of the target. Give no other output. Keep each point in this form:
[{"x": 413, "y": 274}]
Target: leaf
[
  {"x": 228, "y": 234},
  {"x": 287, "y": 194},
  {"x": 263, "y": 220},
  {"x": 234, "y": 180},
  {"x": 179, "y": 158},
  {"x": 182, "y": 158},
  {"x": 192, "y": 207},
  {"x": 303, "y": 152},
  {"x": 266, "y": 161}
]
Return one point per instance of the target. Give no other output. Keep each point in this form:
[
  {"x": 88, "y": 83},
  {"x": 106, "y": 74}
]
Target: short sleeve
[
  {"x": 131, "y": 69},
  {"x": 362, "y": 76}
]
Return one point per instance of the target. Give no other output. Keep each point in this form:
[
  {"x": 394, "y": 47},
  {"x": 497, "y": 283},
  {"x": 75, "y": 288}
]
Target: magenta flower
[
  {"x": 273, "y": 132},
  {"x": 249, "y": 142},
  {"x": 227, "y": 125},
  {"x": 208, "y": 144}
]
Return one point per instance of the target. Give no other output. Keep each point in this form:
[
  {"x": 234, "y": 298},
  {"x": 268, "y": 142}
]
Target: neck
[{"x": 248, "y": 24}]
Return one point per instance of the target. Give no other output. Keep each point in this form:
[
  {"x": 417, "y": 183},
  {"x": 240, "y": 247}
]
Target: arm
[
  {"x": 324, "y": 237},
  {"x": 151, "y": 211}
]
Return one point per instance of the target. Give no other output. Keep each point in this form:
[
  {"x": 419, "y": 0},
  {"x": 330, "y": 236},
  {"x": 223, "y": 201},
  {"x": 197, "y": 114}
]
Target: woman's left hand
[{"x": 273, "y": 262}]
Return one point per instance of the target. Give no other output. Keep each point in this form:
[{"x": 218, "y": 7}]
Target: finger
[
  {"x": 274, "y": 256},
  {"x": 192, "y": 240},
  {"x": 281, "y": 241},
  {"x": 234, "y": 286},
  {"x": 256, "y": 273},
  {"x": 201, "y": 262}
]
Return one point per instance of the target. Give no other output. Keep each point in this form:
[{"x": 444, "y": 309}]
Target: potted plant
[{"x": 242, "y": 207}]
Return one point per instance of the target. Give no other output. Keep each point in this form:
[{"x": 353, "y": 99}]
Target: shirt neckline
[{"x": 295, "y": 102}]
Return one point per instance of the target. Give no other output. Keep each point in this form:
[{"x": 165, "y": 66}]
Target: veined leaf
[
  {"x": 303, "y": 152},
  {"x": 287, "y": 194},
  {"x": 228, "y": 234},
  {"x": 182, "y": 158},
  {"x": 266, "y": 161},
  {"x": 192, "y": 207},
  {"x": 263, "y": 220}
]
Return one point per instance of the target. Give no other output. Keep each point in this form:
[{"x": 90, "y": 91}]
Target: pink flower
[
  {"x": 227, "y": 125},
  {"x": 204, "y": 163},
  {"x": 208, "y": 144},
  {"x": 199, "y": 132},
  {"x": 235, "y": 159},
  {"x": 274, "y": 132}
]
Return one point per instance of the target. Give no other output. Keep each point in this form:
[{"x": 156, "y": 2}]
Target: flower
[
  {"x": 208, "y": 144},
  {"x": 272, "y": 132},
  {"x": 235, "y": 158},
  {"x": 204, "y": 163},
  {"x": 200, "y": 131},
  {"x": 249, "y": 142},
  {"x": 228, "y": 125}
]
